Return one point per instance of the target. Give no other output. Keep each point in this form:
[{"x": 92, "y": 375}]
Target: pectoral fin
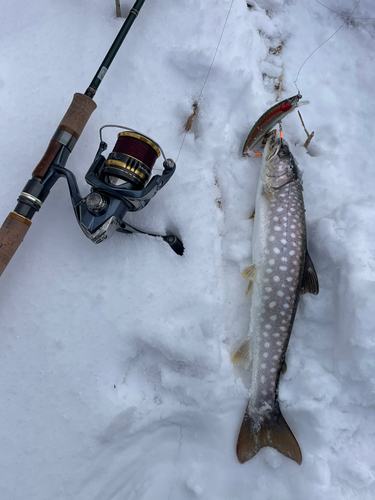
[
  {"x": 250, "y": 273},
  {"x": 242, "y": 356},
  {"x": 310, "y": 282}
]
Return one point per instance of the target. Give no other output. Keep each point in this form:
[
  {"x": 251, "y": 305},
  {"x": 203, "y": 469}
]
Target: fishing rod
[{"x": 119, "y": 183}]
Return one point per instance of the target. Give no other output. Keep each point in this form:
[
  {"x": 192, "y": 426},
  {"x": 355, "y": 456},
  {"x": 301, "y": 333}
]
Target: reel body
[{"x": 119, "y": 184}]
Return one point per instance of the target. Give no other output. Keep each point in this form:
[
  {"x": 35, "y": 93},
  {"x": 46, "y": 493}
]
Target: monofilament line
[
  {"x": 209, "y": 70},
  {"x": 328, "y": 39}
]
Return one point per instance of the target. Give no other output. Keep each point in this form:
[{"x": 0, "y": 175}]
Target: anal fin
[{"x": 310, "y": 283}]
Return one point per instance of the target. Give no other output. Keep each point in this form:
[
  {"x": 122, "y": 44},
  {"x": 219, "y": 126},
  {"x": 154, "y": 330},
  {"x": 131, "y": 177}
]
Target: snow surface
[{"x": 116, "y": 381}]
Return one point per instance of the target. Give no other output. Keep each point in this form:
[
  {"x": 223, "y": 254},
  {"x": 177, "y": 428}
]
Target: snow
[{"x": 115, "y": 358}]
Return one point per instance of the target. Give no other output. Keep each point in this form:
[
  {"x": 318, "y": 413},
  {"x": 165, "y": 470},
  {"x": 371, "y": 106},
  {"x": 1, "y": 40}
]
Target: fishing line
[
  {"x": 208, "y": 72},
  {"x": 321, "y": 45},
  {"x": 340, "y": 13}
]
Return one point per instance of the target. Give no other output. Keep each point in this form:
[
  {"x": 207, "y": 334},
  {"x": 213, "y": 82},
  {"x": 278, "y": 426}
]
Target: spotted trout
[{"x": 281, "y": 271}]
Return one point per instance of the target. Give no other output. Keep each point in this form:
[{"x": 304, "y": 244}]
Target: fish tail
[{"x": 270, "y": 429}]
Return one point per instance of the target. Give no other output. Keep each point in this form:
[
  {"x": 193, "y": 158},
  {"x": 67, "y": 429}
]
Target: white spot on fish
[
  {"x": 273, "y": 370},
  {"x": 276, "y": 250},
  {"x": 271, "y": 262},
  {"x": 263, "y": 379},
  {"x": 276, "y": 278},
  {"x": 272, "y": 304},
  {"x": 283, "y": 268},
  {"x": 276, "y": 335},
  {"x": 266, "y": 344},
  {"x": 265, "y": 334},
  {"x": 268, "y": 327},
  {"x": 289, "y": 278},
  {"x": 280, "y": 209},
  {"x": 283, "y": 241},
  {"x": 269, "y": 270},
  {"x": 282, "y": 328},
  {"x": 284, "y": 259},
  {"x": 292, "y": 252},
  {"x": 265, "y": 355},
  {"x": 268, "y": 289},
  {"x": 263, "y": 365},
  {"x": 278, "y": 342},
  {"x": 275, "y": 357},
  {"x": 273, "y": 318},
  {"x": 286, "y": 306},
  {"x": 275, "y": 218},
  {"x": 277, "y": 228},
  {"x": 271, "y": 238},
  {"x": 280, "y": 293}
]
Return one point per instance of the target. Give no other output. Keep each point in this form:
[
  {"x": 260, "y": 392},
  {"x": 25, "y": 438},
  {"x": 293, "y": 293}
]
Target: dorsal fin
[{"x": 310, "y": 282}]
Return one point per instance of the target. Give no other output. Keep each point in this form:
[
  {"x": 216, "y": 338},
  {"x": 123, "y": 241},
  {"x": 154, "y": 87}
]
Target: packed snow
[{"x": 116, "y": 380}]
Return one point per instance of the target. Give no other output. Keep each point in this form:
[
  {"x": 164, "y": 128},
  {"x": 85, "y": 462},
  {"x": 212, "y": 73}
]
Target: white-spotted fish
[{"x": 281, "y": 271}]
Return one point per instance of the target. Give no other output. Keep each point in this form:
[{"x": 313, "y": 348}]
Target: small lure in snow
[{"x": 269, "y": 119}]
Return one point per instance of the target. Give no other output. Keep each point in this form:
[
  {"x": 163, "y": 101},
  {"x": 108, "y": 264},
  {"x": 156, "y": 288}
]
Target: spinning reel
[{"x": 119, "y": 184}]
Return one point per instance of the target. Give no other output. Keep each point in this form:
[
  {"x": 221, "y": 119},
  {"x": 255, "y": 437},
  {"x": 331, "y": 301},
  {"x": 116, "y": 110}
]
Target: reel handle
[{"x": 12, "y": 233}]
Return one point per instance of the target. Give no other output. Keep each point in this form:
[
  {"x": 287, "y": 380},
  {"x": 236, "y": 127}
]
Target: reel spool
[{"x": 131, "y": 160}]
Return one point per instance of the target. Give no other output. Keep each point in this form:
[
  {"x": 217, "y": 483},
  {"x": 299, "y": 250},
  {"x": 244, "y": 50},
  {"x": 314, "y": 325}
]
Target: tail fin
[{"x": 271, "y": 431}]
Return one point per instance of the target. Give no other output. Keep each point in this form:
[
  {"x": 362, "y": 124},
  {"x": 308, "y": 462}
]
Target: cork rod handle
[
  {"x": 73, "y": 122},
  {"x": 12, "y": 232}
]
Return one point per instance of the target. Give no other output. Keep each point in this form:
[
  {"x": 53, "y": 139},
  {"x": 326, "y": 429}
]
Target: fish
[
  {"x": 282, "y": 270},
  {"x": 269, "y": 119}
]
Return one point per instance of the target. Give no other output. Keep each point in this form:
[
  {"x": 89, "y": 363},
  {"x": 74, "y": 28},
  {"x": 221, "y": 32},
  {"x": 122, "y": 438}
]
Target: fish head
[{"x": 280, "y": 165}]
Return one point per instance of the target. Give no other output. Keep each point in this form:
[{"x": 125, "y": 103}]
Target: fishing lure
[{"x": 269, "y": 119}]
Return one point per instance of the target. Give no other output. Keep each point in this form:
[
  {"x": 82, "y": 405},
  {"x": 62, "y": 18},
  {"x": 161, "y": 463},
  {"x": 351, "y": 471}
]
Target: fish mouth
[{"x": 274, "y": 148}]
